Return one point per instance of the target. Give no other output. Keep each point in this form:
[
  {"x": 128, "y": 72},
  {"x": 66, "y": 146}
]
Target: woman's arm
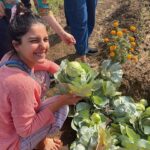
[
  {"x": 43, "y": 9},
  {"x": 66, "y": 99},
  {"x": 48, "y": 66},
  {"x": 24, "y": 99},
  {"x": 2, "y": 9}
]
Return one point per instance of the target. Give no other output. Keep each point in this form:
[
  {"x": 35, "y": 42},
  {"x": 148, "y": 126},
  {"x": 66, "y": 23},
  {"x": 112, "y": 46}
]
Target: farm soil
[{"x": 136, "y": 78}]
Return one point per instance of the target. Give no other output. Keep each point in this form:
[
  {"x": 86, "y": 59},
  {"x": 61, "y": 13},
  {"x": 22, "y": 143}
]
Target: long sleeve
[
  {"x": 48, "y": 65},
  {"x": 25, "y": 99}
]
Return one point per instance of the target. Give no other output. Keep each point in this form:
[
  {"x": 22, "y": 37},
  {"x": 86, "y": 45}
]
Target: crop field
[{"x": 115, "y": 111}]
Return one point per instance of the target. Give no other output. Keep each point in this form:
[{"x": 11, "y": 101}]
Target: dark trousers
[
  {"x": 5, "y": 44},
  {"x": 80, "y": 15},
  {"x": 26, "y": 3}
]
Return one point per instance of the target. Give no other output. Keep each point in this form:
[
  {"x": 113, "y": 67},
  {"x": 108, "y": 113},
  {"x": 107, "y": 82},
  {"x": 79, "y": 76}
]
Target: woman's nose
[{"x": 43, "y": 44}]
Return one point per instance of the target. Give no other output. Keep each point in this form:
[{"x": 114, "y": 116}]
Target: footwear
[
  {"x": 86, "y": 60},
  {"x": 92, "y": 51},
  {"x": 83, "y": 59}
]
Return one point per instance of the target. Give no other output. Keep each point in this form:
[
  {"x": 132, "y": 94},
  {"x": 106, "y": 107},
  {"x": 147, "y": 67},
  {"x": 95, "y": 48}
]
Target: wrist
[
  {"x": 57, "y": 104},
  {"x": 62, "y": 99},
  {"x": 61, "y": 33}
]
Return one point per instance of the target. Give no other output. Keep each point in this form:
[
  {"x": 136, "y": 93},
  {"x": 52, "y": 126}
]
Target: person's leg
[
  {"x": 91, "y": 9},
  {"x": 65, "y": 8},
  {"x": 26, "y": 3},
  {"x": 76, "y": 11},
  {"x": 32, "y": 141},
  {"x": 5, "y": 45}
]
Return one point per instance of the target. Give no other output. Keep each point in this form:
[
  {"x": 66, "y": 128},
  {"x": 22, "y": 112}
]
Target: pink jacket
[{"x": 19, "y": 104}]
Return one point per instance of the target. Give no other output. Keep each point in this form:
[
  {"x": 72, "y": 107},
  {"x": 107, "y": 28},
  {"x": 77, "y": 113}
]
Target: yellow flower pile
[{"x": 121, "y": 43}]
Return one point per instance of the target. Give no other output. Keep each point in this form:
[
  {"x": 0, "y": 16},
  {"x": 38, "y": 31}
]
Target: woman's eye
[
  {"x": 33, "y": 41},
  {"x": 46, "y": 40}
]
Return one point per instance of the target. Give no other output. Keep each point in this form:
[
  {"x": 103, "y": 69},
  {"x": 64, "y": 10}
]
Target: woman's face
[{"x": 34, "y": 45}]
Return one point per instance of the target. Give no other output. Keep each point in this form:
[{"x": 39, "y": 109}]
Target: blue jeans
[{"x": 80, "y": 15}]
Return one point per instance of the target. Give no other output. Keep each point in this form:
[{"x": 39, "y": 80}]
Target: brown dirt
[{"x": 136, "y": 78}]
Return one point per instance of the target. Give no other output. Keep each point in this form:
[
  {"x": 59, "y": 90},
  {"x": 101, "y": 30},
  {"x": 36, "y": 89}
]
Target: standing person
[
  {"x": 80, "y": 15},
  {"x": 24, "y": 119},
  {"x": 26, "y": 3},
  {"x": 42, "y": 9}
]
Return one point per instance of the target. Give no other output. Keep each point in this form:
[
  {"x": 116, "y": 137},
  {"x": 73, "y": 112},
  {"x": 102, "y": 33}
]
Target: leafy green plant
[
  {"x": 111, "y": 71},
  {"x": 104, "y": 118},
  {"x": 76, "y": 78},
  {"x": 54, "y": 5}
]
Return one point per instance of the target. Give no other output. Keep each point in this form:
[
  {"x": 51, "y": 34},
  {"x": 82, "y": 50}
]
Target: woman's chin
[{"x": 41, "y": 60}]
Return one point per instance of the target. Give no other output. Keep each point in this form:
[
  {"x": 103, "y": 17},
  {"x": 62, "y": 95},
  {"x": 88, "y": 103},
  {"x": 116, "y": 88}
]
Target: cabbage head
[{"x": 74, "y": 69}]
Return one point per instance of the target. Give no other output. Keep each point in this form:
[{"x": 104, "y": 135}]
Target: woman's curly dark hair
[{"x": 22, "y": 21}]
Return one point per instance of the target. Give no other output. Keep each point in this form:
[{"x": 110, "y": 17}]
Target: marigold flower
[
  {"x": 133, "y": 44},
  {"x": 131, "y": 49},
  {"x": 113, "y": 32},
  {"x": 132, "y": 39},
  {"x": 112, "y": 48},
  {"x": 124, "y": 30},
  {"x": 111, "y": 54},
  {"x": 116, "y": 23},
  {"x": 120, "y": 33},
  {"x": 129, "y": 56},
  {"x": 106, "y": 40},
  {"x": 132, "y": 28}
]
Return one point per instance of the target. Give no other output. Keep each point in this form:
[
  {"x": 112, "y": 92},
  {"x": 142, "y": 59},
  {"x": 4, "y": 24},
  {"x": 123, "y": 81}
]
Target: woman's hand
[
  {"x": 67, "y": 38},
  {"x": 70, "y": 99},
  {"x": 66, "y": 99}
]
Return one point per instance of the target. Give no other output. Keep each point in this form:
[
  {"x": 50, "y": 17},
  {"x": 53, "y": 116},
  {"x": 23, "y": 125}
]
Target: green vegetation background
[{"x": 55, "y": 4}]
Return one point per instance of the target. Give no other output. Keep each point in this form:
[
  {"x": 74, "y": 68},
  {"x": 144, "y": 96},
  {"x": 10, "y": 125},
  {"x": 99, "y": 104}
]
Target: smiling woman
[
  {"x": 7, "y": 11},
  {"x": 33, "y": 46},
  {"x": 26, "y": 120}
]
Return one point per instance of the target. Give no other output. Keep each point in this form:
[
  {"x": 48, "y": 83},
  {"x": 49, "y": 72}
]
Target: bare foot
[
  {"x": 83, "y": 59},
  {"x": 52, "y": 144},
  {"x": 49, "y": 144}
]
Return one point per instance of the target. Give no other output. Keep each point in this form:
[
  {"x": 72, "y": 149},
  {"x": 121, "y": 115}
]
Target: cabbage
[
  {"x": 76, "y": 78},
  {"x": 111, "y": 71},
  {"x": 74, "y": 69}
]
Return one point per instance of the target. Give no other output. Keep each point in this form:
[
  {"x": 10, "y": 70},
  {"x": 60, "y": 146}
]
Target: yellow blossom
[
  {"x": 132, "y": 39},
  {"x": 116, "y": 23},
  {"x": 129, "y": 56},
  {"x": 120, "y": 33},
  {"x": 131, "y": 49},
  {"x": 113, "y": 32},
  {"x": 132, "y": 28},
  {"x": 112, "y": 48},
  {"x": 112, "y": 54},
  {"x": 124, "y": 30},
  {"x": 133, "y": 44},
  {"x": 106, "y": 40}
]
